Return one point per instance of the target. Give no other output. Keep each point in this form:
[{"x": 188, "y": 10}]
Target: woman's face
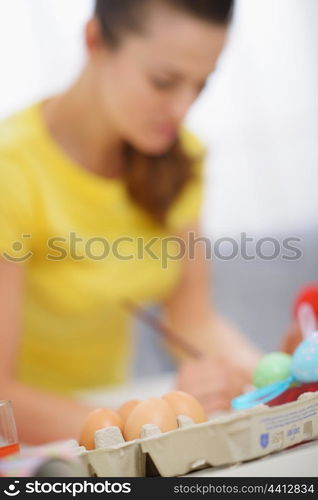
[{"x": 146, "y": 86}]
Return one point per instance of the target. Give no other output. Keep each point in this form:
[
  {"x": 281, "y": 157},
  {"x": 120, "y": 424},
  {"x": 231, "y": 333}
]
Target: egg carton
[
  {"x": 115, "y": 457},
  {"x": 222, "y": 441}
]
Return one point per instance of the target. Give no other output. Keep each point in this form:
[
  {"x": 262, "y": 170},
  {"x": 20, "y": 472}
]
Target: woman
[{"x": 108, "y": 164}]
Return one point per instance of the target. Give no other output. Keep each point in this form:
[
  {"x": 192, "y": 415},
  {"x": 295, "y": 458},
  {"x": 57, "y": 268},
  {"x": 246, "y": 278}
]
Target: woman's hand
[
  {"x": 213, "y": 381},
  {"x": 230, "y": 358}
]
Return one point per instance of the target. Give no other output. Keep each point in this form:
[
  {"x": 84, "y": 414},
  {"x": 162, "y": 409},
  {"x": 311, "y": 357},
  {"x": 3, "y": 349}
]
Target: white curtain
[
  {"x": 258, "y": 116},
  {"x": 41, "y": 48}
]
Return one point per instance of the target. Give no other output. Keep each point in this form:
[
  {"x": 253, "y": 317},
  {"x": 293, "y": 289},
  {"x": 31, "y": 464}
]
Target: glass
[{"x": 9, "y": 443}]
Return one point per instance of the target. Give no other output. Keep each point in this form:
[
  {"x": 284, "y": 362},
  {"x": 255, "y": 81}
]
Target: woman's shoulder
[
  {"x": 17, "y": 207},
  {"x": 18, "y": 135},
  {"x": 16, "y": 131},
  {"x": 18, "y": 138}
]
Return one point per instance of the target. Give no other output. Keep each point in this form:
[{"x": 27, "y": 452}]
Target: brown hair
[{"x": 155, "y": 182}]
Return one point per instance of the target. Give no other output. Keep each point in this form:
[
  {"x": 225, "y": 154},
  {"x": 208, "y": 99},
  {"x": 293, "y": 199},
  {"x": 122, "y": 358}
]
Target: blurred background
[{"x": 258, "y": 118}]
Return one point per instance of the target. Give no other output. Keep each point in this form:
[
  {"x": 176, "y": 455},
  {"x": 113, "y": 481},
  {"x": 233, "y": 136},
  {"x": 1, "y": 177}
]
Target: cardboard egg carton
[{"x": 226, "y": 440}]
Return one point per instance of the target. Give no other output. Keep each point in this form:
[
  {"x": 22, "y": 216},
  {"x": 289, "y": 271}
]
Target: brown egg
[
  {"x": 151, "y": 411},
  {"x": 98, "y": 419},
  {"x": 125, "y": 410},
  {"x": 185, "y": 404}
]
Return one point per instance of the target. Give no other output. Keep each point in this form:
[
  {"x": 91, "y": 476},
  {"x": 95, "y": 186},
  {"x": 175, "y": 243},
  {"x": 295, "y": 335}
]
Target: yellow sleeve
[
  {"x": 187, "y": 208},
  {"x": 16, "y": 219}
]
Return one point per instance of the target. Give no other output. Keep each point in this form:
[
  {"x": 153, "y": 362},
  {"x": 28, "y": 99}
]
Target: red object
[
  {"x": 293, "y": 393},
  {"x": 9, "y": 449},
  {"x": 308, "y": 294}
]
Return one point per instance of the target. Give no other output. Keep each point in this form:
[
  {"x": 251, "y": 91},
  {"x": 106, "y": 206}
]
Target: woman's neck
[{"x": 76, "y": 123}]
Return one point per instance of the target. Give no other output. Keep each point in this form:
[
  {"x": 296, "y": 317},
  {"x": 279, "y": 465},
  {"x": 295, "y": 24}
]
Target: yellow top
[{"x": 64, "y": 224}]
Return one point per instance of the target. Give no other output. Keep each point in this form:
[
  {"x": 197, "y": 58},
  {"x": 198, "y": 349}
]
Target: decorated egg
[
  {"x": 304, "y": 365},
  {"x": 272, "y": 368},
  {"x": 301, "y": 367}
]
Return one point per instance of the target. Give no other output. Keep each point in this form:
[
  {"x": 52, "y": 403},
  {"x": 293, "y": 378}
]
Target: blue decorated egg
[{"x": 305, "y": 360}]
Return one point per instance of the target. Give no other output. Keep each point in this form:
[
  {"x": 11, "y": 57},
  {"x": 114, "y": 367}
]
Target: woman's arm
[
  {"x": 190, "y": 313},
  {"x": 41, "y": 417}
]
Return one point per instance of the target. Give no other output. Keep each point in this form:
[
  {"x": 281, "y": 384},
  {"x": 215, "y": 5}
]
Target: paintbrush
[{"x": 161, "y": 328}]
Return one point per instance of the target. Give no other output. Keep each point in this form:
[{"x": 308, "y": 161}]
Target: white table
[{"x": 301, "y": 461}]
